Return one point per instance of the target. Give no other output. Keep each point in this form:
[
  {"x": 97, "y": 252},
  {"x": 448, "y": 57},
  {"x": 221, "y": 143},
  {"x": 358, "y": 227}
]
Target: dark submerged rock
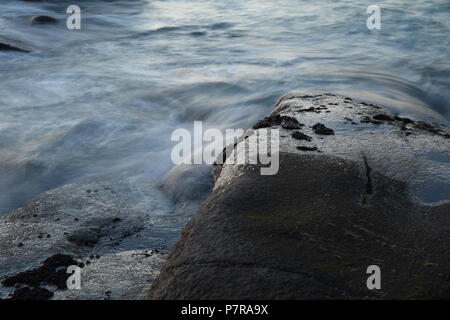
[
  {"x": 43, "y": 20},
  {"x": 7, "y": 47}
]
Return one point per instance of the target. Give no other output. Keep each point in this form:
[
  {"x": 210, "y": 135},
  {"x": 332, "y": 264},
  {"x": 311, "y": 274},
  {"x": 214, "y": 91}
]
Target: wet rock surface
[
  {"x": 100, "y": 226},
  {"x": 311, "y": 230},
  {"x": 123, "y": 275}
]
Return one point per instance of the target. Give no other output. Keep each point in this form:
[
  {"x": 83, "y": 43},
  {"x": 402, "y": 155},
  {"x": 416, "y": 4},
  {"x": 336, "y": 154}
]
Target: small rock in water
[
  {"x": 43, "y": 20},
  {"x": 300, "y": 136},
  {"x": 268, "y": 122},
  {"x": 290, "y": 123},
  {"x": 321, "y": 129},
  {"x": 198, "y": 33}
]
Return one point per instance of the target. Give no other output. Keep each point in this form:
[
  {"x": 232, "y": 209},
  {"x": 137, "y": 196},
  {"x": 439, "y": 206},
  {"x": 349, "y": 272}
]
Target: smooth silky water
[{"x": 104, "y": 100}]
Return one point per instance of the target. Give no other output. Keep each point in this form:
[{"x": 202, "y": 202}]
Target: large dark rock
[{"x": 372, "y": 194}]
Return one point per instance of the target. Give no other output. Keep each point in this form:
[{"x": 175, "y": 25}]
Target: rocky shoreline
[
  {"x": 95, "y": 225},
  {"x": 357, "y": 186}
]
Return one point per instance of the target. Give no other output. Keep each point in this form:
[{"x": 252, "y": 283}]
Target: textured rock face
[
  {"x": 368, "y": 188},
  {"x": 97, "y": 225},
  {"x": 120, "y": 276}
]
